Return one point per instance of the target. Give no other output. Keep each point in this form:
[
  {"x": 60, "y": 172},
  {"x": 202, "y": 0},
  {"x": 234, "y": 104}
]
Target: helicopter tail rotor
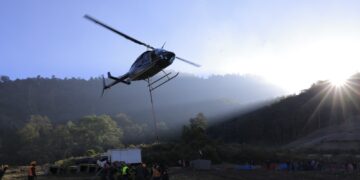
[{"x": 104, "y": 86}]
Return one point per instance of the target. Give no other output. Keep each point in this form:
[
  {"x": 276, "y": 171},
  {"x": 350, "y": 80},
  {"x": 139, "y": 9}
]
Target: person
[
  {"x": 32, "y": 171},
  {"x": 3, "y": 170},
  {"x": 165, "y": 175},
  {"x": 105, "y": 174},
  {"x": 125, "y": 172},
  {"x": 156, "y": 174},
  {"x": 141, "y": 172}
]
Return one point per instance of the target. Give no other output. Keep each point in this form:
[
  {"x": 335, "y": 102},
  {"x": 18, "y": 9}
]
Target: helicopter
[{"x": 148, "y": 64}]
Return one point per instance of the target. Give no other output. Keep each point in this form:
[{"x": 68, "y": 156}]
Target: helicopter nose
[{"x": 170, "y": 56}]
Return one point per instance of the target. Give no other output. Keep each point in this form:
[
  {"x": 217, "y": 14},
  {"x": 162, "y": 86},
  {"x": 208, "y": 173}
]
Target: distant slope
[
  {"x": 344, "y": 137},
  {"x": 294, "y": 116},
  {"x": 67, "y": 99}
]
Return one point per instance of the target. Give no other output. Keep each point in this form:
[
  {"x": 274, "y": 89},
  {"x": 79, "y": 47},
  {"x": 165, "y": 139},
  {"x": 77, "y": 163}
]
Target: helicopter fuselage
[{"x": 150, "y": 63}]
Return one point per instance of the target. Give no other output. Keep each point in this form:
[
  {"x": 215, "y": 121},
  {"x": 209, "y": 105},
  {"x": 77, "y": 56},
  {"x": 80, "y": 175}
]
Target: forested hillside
[
  {"x": 65, "y": 117},
  {"x": 295, "y": 116},
  {"x": 66, "y": 99}
]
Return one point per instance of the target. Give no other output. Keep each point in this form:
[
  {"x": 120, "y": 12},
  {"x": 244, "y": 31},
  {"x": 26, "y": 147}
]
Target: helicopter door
[{"x": 152, "y": 56}]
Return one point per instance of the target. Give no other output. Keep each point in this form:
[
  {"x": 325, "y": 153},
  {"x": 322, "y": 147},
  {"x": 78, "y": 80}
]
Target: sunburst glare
[{"x": 338, "y": 81}]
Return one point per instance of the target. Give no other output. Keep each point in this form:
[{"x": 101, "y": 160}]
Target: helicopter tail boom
[
  {"x": 112, "y": 77},
  {"x": 116, "y": 80},
  {"x": 119, "y": 79}
]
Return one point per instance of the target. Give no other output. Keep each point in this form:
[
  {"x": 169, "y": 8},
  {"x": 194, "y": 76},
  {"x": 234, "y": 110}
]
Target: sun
[
  {"x": 338, "y": 81},
  {"x": 339, "y": 77}
]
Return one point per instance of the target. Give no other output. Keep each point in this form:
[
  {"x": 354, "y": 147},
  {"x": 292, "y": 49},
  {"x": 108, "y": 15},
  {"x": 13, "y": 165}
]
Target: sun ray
[
  {"x": 348, "y": 89},
  {"x": 339, "y": 92},
  {"x": 327, "y": 90},
  {"x": 353, "y": 102}
]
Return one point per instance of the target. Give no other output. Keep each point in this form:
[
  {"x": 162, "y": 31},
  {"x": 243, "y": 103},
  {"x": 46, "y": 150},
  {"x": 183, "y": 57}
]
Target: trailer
[{"x": 129, "y": 156}]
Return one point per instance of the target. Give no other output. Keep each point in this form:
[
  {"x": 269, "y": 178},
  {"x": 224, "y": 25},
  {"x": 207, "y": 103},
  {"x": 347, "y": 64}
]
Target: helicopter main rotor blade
[
  {"x": 189, "y": 62},
  {"x": 117, "y": 32}
]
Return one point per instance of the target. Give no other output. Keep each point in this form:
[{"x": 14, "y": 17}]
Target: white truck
[{"x": 129, "y": 156}]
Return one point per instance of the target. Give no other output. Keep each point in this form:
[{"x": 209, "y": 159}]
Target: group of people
[
  {"x": 123, "y": 171},
  {"x": 312, "y": 165},
  {"x": 31, "y": 172}
]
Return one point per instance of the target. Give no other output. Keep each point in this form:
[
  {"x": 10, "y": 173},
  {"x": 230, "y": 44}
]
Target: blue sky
[{"x": 290, "y": 43}]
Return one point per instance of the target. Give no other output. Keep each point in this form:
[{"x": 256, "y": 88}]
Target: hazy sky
[{"x": 290, "y": 43}]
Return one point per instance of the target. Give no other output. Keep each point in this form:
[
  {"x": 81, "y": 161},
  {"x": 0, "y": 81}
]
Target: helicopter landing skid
[{"x": 156, "y": 84}]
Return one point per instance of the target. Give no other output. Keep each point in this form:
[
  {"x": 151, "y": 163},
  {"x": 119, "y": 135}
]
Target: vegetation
[
  {"x": 48, "y": 118},
  {"x": 43, "y": 141},
  {"x": 42, "y": 138},
  {"x": 194, "y": 144},
  {"x": 67, "y": 99},
  {"x": 294, "y": 116}
]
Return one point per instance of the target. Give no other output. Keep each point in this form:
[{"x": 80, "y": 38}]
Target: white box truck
[{"x": 129, "y": 156}]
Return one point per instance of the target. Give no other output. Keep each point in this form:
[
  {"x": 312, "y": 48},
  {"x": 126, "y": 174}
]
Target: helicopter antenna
[{"x": 162, "y": 47}]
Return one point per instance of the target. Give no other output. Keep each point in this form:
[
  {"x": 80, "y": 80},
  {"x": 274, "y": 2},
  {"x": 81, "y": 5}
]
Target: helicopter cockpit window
[
  {"x": 158, "y": 51},
  {"x": 141, "y": 59},
  {"x": 138, "y": 62}
]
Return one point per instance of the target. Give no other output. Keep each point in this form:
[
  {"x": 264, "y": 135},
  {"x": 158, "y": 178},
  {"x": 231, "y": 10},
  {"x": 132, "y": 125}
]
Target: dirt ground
[
  {"x": 188, "y": 174},
  {"x": 260, "y": 175}
]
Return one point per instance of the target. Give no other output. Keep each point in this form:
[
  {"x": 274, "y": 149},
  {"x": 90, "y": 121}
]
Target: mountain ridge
[
  {"x": 294, "y": 116},
  {"x": 66, "y": 99}
]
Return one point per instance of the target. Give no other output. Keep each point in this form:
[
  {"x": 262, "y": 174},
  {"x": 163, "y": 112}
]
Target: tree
[
  {"x": 196, "y": 131},
  {"x": 62, "y": 141},
  {"x": 4, "y": 79},
  {"x": 37, "y": 127},
  {"x": 199, "y": 122},
  {"x": 96, "y": 132},
  {"x": 133, "y": 132},
  {"x": 42, "y": 141},
  {"x": 196, "y": 143},
  {"x": 35, "y": 138}
]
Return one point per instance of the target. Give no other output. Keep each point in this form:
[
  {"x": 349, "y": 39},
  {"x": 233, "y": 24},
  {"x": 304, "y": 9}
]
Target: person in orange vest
[
  {"x": 32, "y": 171},
  {"x": 156, "y": 174}
]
